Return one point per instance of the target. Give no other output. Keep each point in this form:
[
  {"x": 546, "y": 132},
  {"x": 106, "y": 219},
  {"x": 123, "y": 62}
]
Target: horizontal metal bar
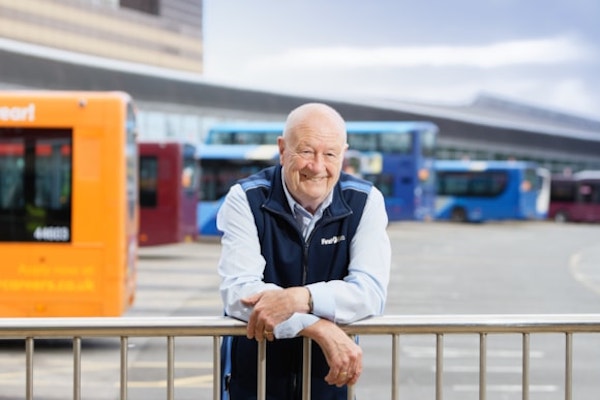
[
  {"x": 216, "y": 327},
  {"x": 220, "y": 326}
]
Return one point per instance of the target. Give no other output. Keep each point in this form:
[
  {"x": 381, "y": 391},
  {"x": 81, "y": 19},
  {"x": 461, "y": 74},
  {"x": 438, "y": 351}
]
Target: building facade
[{"x": 160, "y": 33}]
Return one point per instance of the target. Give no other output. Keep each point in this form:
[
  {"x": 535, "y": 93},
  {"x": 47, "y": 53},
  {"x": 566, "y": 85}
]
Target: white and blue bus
[
  {"x": 396, "y": 156},
  {"x": 477, "y": 191},
  {"x": 220, "y": 167}
]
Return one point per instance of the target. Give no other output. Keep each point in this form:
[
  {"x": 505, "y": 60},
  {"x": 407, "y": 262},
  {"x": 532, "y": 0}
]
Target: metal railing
[{"x": 125, "y": 328}]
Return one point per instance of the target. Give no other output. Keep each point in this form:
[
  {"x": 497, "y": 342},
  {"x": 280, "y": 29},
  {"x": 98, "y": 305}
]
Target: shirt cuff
[
  {"x": 323, "y": 301},
  {"x": 291, "y": 327}
]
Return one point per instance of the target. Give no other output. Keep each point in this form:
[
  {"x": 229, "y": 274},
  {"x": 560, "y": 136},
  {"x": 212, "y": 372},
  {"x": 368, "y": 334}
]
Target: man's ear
[{"x": 281, "y": 145}]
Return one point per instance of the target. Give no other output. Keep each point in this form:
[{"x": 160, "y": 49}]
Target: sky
[{"x": 544, "y": 53}]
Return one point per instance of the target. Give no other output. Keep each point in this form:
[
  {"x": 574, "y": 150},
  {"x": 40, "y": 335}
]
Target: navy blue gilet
[{"x": 292, "y": 261}]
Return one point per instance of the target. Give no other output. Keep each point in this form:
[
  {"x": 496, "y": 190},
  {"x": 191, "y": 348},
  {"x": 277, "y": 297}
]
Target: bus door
[
  {"x": 562, "y": 197},
  {"x": 529, "y": 193},
  {"x": 189, "y": 194},
  {"x": 398, "y": 174}
]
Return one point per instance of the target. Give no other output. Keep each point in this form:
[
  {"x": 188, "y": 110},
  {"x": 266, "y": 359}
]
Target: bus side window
[
  {"x": 586, "y": 193},
  {"x": 14, "y": 196},
  {"x": 148, "y": 185},
  {"x": 592, "y": 193}
]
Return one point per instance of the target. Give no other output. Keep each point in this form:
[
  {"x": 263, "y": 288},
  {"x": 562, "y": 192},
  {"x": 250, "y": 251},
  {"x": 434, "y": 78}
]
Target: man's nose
[{"x": 317, "y": 162}]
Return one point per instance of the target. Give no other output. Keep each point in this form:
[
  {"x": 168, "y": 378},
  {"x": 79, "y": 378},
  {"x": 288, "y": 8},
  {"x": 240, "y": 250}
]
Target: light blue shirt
[{"x": 361, "y": 294}]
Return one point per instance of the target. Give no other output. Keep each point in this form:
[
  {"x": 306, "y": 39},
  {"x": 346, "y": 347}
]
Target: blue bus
[
  {"x": 397, "y": 156},
  {"x": 220, "y": 167},
  {"x": 477, "y": 191}
]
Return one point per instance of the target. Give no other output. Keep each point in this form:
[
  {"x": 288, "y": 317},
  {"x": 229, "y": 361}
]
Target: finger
[
  {"x": 255, "y": 326},
  {"x": 346, "y": 375},
  {"x": 355, "y": 366},
  {"x": 336, "y": 377},
  {"x": 354, "y": 373},
  {"x": 352, "y": 379},
  {"x": 268, "y": 334},
  {"x": 331, "y": 377},
  {"x": 259, "y": 332},
  {"x": 342, "y": 378},
  {"x": 251, "y": 327}
]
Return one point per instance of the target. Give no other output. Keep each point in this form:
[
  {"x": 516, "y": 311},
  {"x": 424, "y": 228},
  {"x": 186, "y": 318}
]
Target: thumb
[{"x": 251, "y": 300}]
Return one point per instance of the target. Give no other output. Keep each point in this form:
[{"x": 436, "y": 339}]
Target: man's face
[{"x": 312, "y": 158}]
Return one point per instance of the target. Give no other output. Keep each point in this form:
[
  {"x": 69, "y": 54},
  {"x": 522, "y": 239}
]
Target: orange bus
[
  {"x": 168, "y": 193},
  {"x": 68, "y": 203}
]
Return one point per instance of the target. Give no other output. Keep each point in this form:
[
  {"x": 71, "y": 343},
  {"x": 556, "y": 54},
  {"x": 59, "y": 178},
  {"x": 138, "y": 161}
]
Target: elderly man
[{"x": 304, "y": 248}]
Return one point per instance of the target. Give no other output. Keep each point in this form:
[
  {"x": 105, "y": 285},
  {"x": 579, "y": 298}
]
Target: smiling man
[{"x": 304, "y": 248}]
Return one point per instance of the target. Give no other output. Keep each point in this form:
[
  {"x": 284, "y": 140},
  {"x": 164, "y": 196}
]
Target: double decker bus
[
  {"x": 68, "y": 203},
  {"x": 397, "y": 156},
  {"x": 477, "y": 191},
  {"x": 168, "y": 193},
  {"x": 575, "y": 197}
]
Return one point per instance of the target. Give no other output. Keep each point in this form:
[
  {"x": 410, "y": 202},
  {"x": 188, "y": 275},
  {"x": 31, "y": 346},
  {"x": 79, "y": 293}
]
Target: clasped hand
[{"x": 272, "y": 307}]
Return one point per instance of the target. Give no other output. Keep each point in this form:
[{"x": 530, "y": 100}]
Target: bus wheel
[
  {"x": 561, "y": 217},
  {"x": 458, "y": 215}
]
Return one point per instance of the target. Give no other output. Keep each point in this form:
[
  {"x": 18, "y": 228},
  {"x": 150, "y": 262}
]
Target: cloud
[
  {"x": 554, "y": 50},
  {"x": 552, "y": 71}
]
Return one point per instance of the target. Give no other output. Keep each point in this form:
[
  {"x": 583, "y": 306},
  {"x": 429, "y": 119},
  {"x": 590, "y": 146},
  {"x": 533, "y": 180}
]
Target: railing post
[
  {"x": 439, "y": 366},
  {"x": 482, "y": 365},
  {"x": 262, "y": 370},
  {"x": 569, "y": 366},
  {"x": 395, "y": 367},
  {"x": 29, "y": 345},
  {"x": 216, "y": 367},
  {"x": 76, "y": 368},
  {"x": 525, "y": 372},
  {"x": 170, "y": 367},
  {"x": 306, "y": 367},
  {"x": 351, "y": 387},
  {"x": 123, "y": 375}
]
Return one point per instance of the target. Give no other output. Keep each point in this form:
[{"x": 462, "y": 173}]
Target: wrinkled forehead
[{"x": 318, "y": 137}]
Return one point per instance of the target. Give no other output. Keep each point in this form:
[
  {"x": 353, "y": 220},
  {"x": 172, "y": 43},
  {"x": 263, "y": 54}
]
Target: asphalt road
[{"x": 438, "y": 268}]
